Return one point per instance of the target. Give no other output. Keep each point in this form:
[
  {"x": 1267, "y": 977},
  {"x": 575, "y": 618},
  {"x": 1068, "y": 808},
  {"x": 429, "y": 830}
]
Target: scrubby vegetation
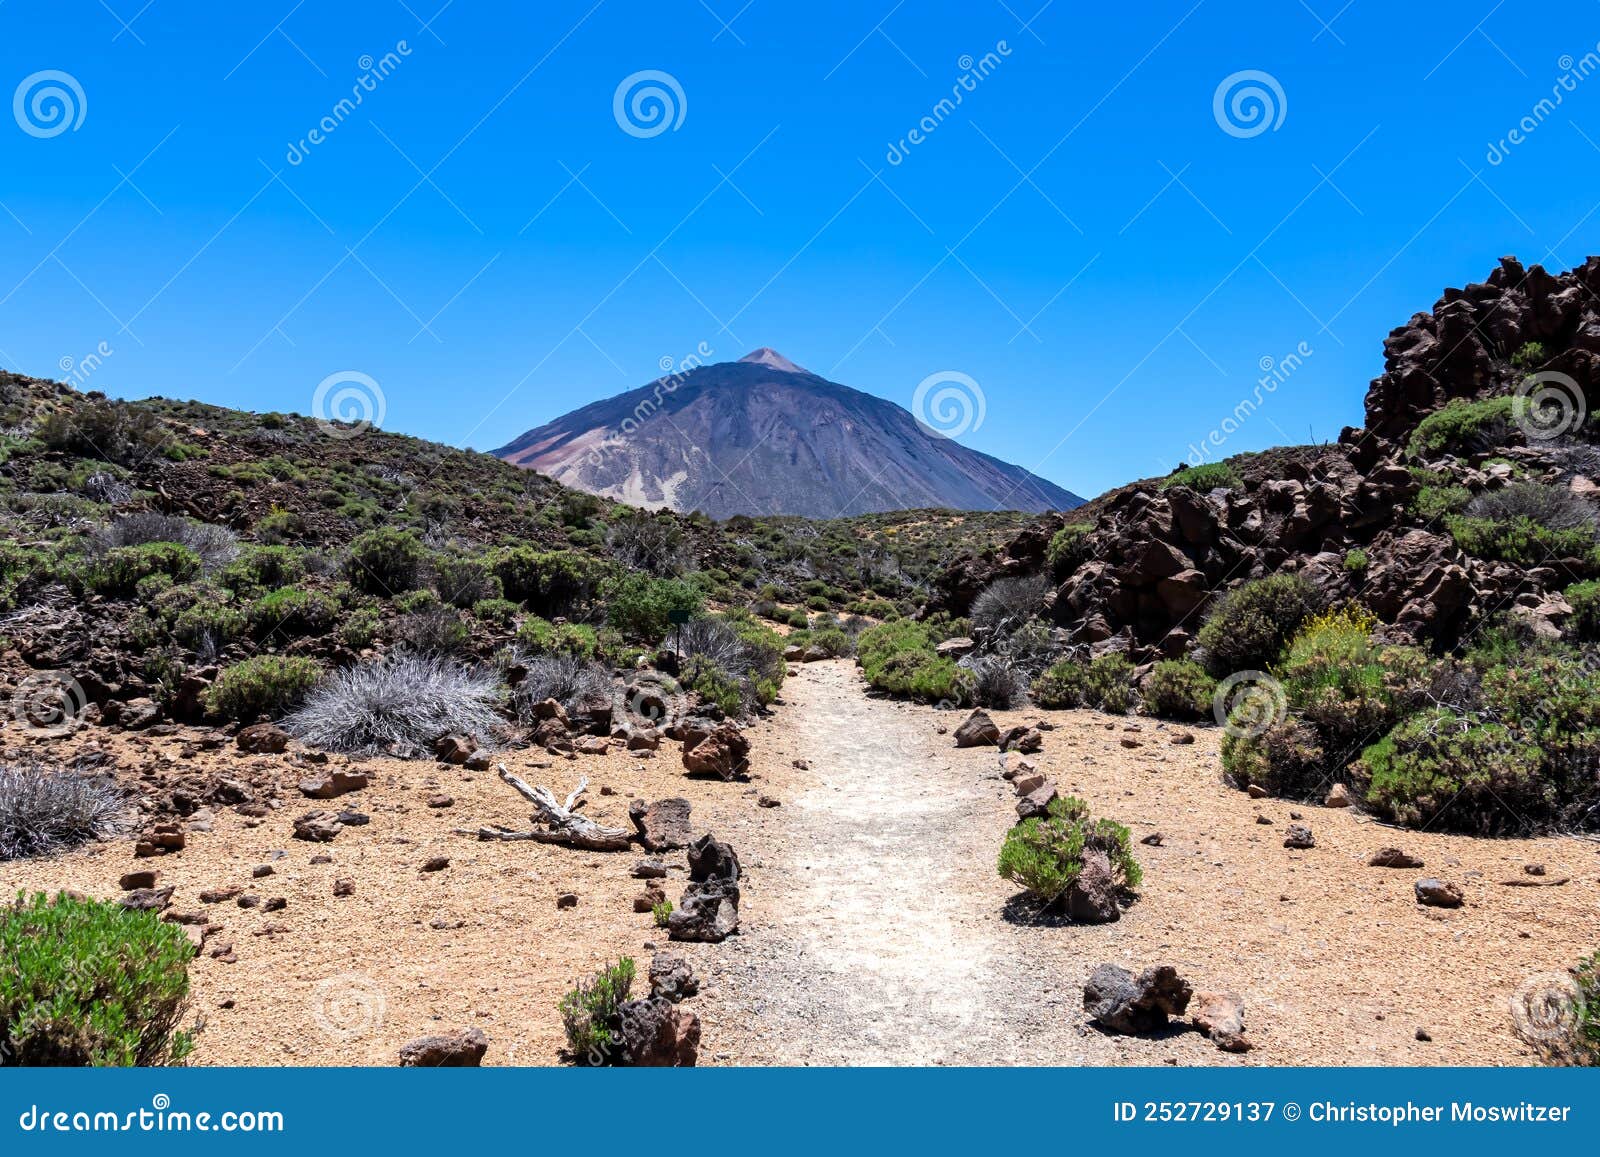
[
  {"x": 1178, "y": 689},
  {"x": 1249, "y": 625},
  {"x": 1105, "y": 682},
  {"x": 88, "y": 982},
  {"x": 899, "y": 658},
  {"x": 398, "y": 704},
  {"x": 44, "y": 811},
  {"x": 1045, "y": 853},
  {"x": 1204, "y": 477},
  {"x": 589, "y": 1014},
  {"x": 263, "y": 685}
]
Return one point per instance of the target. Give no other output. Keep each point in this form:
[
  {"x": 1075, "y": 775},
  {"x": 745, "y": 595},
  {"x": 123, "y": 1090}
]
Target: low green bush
[
  {"x": 121, "y": 568},
  {"x": 640, "y": 606},
  {"x": 500, "y": 612},
  {"x": 590, "y": 1014},
  {"x": 1248, "y": 626},
  {"x": 1045, "y": 854},
  {"x": 1068, "y": 549},
  {"x": 1454, "y": 772},
  {"x": 540, "y": 637},
  {"x": 88, "y": 982},
  {"x": 263, "y": 685},
  {"x": 1585, "y": 600},
  {"x": 385, "y": 561},
  {"x": 1523, "y": 541},
  {"x": 1105, "y": 683},
  {"x": 293, "y": 611},
  {"x": 1206, "y": 477},
  {"x": 899, "y": 658},
  {"x": 1178, "y": 689},
  {"x": 549, "y": 582},
  {"x": 1463, "y": 427},
  {"x": 1356, "y": 561},
  {"x": 1286, "y": 760},
  {"x": 465, "y": 580},
  {"x": 1435, "y": 502}
]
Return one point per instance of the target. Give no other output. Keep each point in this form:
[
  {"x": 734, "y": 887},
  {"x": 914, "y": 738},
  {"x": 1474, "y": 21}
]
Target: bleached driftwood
[{"x": 562, "y": 823}]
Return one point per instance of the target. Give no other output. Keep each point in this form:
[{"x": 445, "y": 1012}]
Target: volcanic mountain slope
[{"x": 764, "y": 436}]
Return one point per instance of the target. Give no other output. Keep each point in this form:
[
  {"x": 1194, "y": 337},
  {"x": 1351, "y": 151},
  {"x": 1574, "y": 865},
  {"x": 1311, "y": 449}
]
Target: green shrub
[
  {"x": 1249, "y": 625},
  {"x": 1455, "y": 772},
  {"x": 260, "y": 568},
  {"x": 1206, "y": 477},
  {"x": 463, "y": 581},
  {"x": 500, "y": 612},
  {"x": 360, "y": 628},
  {"x": 590, "y": 1013},
  {"x": 1530, "y": 355},
  {"x": 898, "y": 658},
  {"x": 542, "y": 637},
  {"x": 1347, "y": 686},
  {"x": 1435, "y": 502},
  {"x": 1585, "y": 600},
  {"x": 1356, "y": 561},
  {"x": 385, "y": 561},
  {"x": 550, "y": 582},
  {"x": 1068, "y": 549},
  {"x": 294, "y": 611},
  {"x": 1286, "y": 760},
  {"x": 1521, "y": 540},
  {"x": 1105, "y": 683},
  {"x": 640, "y": 606},
  {"x": 662, "y": 912},
  {"x": 213, "y": 624},
  {"x": 1045, "y": 854},
  {"x": 1464, "y": 427},
  {"x": 797, "y": 619},
  {"x": 1178, "y": 689},
  {"x": 87, "y": 982},
  {"x": 263, "y": 685},
  {"x": 121, "y": 569}
]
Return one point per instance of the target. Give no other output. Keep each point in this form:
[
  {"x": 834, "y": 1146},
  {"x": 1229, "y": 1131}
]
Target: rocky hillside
[
  {"x": 764, "y": 436},
  {"x": 1467, "y": 493}
]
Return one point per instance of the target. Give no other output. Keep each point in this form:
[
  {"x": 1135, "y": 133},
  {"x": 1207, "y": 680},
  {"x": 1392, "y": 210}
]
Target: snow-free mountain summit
[{"x": 763, "y": 435}]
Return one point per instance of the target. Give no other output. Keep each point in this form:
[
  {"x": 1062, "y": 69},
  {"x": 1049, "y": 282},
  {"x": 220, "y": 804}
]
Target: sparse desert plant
[
  {"x": 1529, "y": 355},
  {"x": 996, "y": 681},
  {"x": 262, "y": 685},
  {"x": 121, "y": 569},
  {"x": 1523, "y": 541},
  {"x": 400, "y": 704},
  {"x": 1006, "y": 604},
  {"x": 1248, "y": 626},
  {"x": 1286, "y": 759},
  {"x": 88, "y": 982},
  {"x": 434, "y": 631},
  {"x": 499, "y": 612},
  {"x": 215, "y": 546},
  {"x": 589, "y": 1014},
  {"x": 550, "y": 582},
  {"x": 898, "y": 658},
  {"x": 44, "y": 811},
  {"x": 648, "y": 541},
  {"x": 293, "y": 611},
  {"x": 1045, "y": 854},
  {"x": 1436, "y": 502},
  {"x": 540, "y": 636},
  {"x": 1178, "y": 689},
  {"x": 661, "y": 912},
  {"x": 1356, "y": 561},
  {"x": 1552, "y": 507},
  {"x": 567, "y": 678}
]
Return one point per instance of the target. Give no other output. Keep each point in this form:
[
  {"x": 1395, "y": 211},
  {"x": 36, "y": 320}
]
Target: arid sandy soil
[{"x": 875, "y": 927}]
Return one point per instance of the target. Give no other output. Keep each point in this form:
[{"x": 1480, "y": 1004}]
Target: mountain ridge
[{"x": 763, "y": 435}]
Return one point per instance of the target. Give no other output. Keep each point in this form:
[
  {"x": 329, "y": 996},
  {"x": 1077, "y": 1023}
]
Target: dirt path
[{"x": 877, "y": 931}]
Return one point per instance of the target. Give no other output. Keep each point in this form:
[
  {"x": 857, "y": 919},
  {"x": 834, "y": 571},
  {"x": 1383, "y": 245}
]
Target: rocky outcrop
[
  {"x": 709, "y": 910},
  {"x": 1120, "y": 1002}
]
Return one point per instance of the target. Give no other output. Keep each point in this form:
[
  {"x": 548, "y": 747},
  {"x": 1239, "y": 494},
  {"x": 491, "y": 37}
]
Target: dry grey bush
[
  {"x": 566, "y": 678},
  {"x": 399, "y": 704},
  {"x": 216, "y": 545},
  {"x": 44, "y": 811}
]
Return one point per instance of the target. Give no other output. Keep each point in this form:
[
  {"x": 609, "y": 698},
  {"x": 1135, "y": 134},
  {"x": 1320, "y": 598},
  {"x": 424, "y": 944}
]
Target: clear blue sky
[{"x": 1080, "y": 236}]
